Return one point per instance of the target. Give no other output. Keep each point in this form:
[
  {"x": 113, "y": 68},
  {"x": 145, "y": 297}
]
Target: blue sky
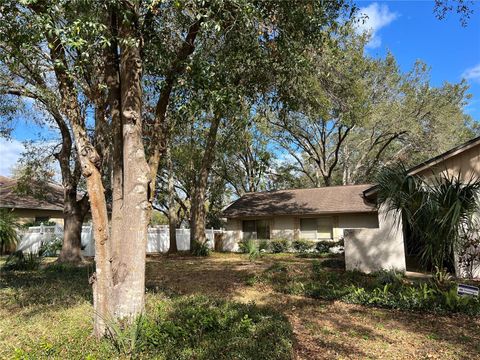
[{"x": 408, "y": 29}]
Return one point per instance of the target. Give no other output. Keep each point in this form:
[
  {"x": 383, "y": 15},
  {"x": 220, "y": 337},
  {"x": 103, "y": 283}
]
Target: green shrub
[
  {"x": 388, "y": 277},
  {"x": 302, "y": 245},
  {"x": 279, "y": 245},
  {"x": 8, "y": 230},
  {"x": 249, "y": 247},
  {"x": 38, "y": 223},
  {"x": 382, "y": 289},
  {"x": 421, "y": 297},
  {"x": 198, "y": 327},
  {"x": 442, "y": 278},
  {"x": 263, "y": 245},
  {"x": 51, "y": 248},
  {"x": 245, "y": 245},
  {"x": 199, "y": 249},
  {"x": 18, "y": 261},
  {"x": 324, "y": 246}
]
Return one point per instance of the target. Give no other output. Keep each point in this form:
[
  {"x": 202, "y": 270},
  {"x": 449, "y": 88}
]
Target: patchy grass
[{"x": 47, "y": 314}]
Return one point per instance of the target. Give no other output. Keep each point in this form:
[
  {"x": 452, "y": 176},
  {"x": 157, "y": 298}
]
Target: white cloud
[
  {"x": 472, "y": 73},
  {"x": 373, "y": 18},
  {"x": 10, "y": 151}
]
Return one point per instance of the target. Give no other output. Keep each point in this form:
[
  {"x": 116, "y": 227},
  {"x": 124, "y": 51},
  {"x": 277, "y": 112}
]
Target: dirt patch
[{"x": 323, "y": 330}]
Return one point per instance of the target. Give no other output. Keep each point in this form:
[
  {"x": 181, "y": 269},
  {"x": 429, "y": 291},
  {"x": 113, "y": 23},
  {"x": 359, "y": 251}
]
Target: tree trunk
[
  {"x": 72, "y": 239},
  {"x": 172, "y": 214},
  {"x": 89, "y": 159},
  {"x": 74, "y": 212},
  {"x": 129, "y": 277},
  {"x": 197, "y": 215},
  {"x": 197, "y": 218}
]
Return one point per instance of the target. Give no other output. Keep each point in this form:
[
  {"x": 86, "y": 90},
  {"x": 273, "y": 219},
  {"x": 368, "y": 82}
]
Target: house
[
  {"x": 312, "y": 214},
  {"x": 374, "y": 238},
  {"x": 29, "y": 208},
  {"x": 462, "y": 161}
]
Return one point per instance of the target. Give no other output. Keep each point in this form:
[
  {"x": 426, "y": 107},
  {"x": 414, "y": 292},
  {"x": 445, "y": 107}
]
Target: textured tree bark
[
  {"x": 197, "y": 215},
  {"x": 172, "y": 214},
  {"x": 89, "y": 160},
  {"x": 197, "y": 221},
  {"x": 73, "y": 217},
  {"x": 72, "y": 240},
  {"x": 129, "y": 277}
]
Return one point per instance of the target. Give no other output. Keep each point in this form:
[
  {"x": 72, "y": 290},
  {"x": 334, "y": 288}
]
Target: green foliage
[
  {"x": 250, "y": 247},
  {"x": 302, "y": 246},
  {"x": 441, "y": 277},
  {"x": 8, "y": 233},
  {"x": 387, "y": 289},
  {"x": 469, "y": 248},
  {"x": 245, "y": 244},
  {"x": 324, "y": 246},
  {"x": 436, "y": 211},
  {"x": 18, "y": 261},
  {"x": 388, "y": 277},
  {"x": 279, "y": 245},
  {"x": 421, "y": 297},
  {"x": 200, "y": 249},
  {"x": 158, "y": 218},
  {"x": 38, "y": 223},
  {"x": 51, "y": 248},
  {"x": 263, "y": 245},
  {"x": 202, "y": 328},
  {"x": 35, "y": 172}
]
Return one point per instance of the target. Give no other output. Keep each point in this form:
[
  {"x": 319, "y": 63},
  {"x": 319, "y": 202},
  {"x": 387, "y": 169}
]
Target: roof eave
[
  {"x": 372, "y": 211},
  {"x": 431, "y": 162}
]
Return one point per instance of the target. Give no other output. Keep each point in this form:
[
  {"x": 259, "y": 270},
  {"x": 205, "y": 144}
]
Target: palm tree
[
  {"x": 8, "y": 233},
  {"x": 435, "y": 210}
]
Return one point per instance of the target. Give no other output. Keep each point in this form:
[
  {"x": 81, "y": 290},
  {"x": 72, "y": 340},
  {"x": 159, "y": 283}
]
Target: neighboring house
[
  {"x": 373, "y": 238},
  {"x": 29, "y": 208},
  {"x": 462, "y": 161},
  {"x": 310, "y": 214}
]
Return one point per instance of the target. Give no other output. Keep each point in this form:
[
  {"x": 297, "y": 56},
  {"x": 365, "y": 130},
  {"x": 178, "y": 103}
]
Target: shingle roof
[
  {"x": 314, "y": 201},
  {"x": 53, "y": 200}
]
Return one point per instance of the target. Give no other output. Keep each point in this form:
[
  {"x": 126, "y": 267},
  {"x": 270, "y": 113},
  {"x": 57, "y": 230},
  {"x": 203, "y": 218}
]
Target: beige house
[
  {"x": 316, "y": 214},
  {"x": 311, "y": 214},
  {"x": 462, "y": 161},
  {"x": 374, "y": 239},
  {"x": 29, "y": 208}
]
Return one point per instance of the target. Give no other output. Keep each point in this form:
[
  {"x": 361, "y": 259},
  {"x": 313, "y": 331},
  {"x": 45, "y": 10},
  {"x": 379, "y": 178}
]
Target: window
[
  {"x": 308, "y": 227},
  {"x": 263, "y": 229},
  {"x": 316, "y": 228},
  {"x": 324, "y": 228},
  {"x": 249, "y": 229},
  {"x": 256, "y": 229}
]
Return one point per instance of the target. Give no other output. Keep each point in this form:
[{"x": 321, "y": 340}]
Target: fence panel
[{"x": 158, "y": 239}]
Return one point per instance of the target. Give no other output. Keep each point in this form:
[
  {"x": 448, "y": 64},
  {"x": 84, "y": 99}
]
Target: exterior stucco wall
[
  {"x": 29, "y": 215},
  {"x": 233, "y": 234},
  {"x": 372, "y": 249},
  {"x": 465, "y": 164},
  {"x": 282, "y": 227},
  {"x": 288, "y": 227},
  {"x": 358, "y": 221}
]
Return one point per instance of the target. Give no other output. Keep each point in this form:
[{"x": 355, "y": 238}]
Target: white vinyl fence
[{"x": 158, "y": 238}]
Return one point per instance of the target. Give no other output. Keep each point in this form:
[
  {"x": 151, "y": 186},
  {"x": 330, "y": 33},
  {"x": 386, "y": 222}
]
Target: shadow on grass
[
  {"x": 192, "y": 275},
  {"x": 51, "y": 287}
]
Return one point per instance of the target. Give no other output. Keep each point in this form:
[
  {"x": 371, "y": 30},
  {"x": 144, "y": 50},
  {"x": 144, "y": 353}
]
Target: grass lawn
[{"x": 47, "y": 314}]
